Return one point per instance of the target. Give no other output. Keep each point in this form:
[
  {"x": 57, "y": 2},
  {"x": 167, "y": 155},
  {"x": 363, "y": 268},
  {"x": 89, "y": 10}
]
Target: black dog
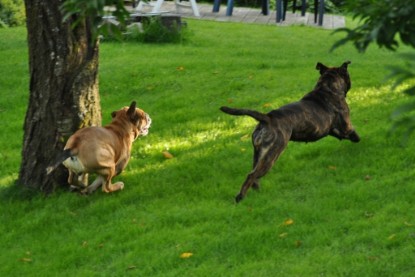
[{"x": 321, "y": 112}]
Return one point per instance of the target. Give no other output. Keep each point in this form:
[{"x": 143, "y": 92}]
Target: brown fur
[
  {"x": 103, "y": 150},
  {"x": 321, "y": 112}
]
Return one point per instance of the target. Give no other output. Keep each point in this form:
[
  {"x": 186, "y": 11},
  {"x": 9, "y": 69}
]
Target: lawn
[{"x": 330, "y": 208}]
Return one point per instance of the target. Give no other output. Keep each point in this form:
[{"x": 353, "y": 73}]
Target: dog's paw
[
  {"x": 354, "y": 137},
  {"x": 115, "y": 187},
  {"x": 238, "y": 198}
]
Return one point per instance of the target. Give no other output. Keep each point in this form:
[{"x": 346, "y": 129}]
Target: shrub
[{"x": 12, "y": 13}]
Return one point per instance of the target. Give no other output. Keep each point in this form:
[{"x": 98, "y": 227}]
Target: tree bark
[{"x": 64, "y": 96}]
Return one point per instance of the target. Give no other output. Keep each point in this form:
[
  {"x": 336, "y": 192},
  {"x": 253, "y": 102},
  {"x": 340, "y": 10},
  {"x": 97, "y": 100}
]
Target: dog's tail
[
  {"x": 62, "y": 156},
  {"x": 256, "y": 115}
]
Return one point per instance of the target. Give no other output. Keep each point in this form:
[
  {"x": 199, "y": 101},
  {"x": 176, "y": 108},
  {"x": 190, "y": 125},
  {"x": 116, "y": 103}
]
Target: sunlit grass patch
[{"x": 328, "y": 208}]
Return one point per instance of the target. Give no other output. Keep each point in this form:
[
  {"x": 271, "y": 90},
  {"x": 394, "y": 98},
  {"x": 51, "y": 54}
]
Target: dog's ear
[
  {"x": 131, "y": 113},
  {"x": 131, "y": 110},
  {"x": 321, "y": 67},
  {"x": 345, "y": 64}
]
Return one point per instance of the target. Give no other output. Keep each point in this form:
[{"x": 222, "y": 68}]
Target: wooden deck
[{"x": 251, "y": 15}]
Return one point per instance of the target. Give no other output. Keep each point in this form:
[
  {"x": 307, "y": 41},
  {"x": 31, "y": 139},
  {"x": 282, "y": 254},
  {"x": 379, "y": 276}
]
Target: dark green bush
[{"x": 154, "y": 30}]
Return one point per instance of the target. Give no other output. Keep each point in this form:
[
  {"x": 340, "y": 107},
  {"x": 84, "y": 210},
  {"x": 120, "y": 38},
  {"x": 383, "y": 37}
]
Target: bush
[
  {"x": 12, "y": 13},
  {"x": 156, "y": 31}
]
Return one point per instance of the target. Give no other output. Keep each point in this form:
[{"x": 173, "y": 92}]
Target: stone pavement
[{"x": 252, "y": 15}]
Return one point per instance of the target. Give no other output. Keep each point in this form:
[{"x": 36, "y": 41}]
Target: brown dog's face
[
  {"x": 136, "y": 116},
  {"x": 331, "y": 74}
]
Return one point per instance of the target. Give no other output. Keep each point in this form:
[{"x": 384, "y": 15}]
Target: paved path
[{"x": 252, "y": 15}]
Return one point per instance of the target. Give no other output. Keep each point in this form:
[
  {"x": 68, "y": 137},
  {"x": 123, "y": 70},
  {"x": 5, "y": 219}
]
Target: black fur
[{"x": 320, "y": 113}]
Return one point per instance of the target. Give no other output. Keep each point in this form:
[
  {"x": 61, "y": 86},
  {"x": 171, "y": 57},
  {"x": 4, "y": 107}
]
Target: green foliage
[
  {"x": 12, "y": 13},
  {"x": 404, "y": 115},
  {"x": 154, "y": 31},
  {"x": 94, "y": 10},
  {"x": 330, "y": 208},
  {"x": 381, "y": 22}
]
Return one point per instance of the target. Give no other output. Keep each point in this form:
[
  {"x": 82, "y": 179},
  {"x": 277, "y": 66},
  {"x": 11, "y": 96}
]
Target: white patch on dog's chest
[{"x": 74, "y": 164}]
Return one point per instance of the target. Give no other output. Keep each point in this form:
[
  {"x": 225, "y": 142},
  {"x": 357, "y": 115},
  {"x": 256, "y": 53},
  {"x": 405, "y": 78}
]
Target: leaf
[
  {"x": 288, "y": 222},
  {"x": 267, "y": 105},
  {"x": 245, "y": 137},
  {"x": 186, "y": 255},
  {"x": 403, "y": 109},
  {"x": 167, "y": 155},
  {"x": 410, "y": 91},
  {"x": 391, "y": 237},
  {"x": 283, "y": 235},
  {"x": 26, "y": 260},
  {"x": 180, "y": 68},
  {"x": 332, "y": 167}
]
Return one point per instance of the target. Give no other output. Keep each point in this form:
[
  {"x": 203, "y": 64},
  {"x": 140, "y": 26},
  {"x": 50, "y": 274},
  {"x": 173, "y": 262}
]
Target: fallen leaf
[
  {"x": 131, "y": 267},
  {"x": 180, "y": 68},
  {"x": 288, "y": 222},
  {"x": 368, "y": 177},
  {"x": 26, "y": 260},
  {"x": 298, "y": 243},
  {"x": 244, "y": 137},
  {"x": 332, "y": 167},
  {"x": 230, "y": 100},
  {"x": 167, "y": 155},
  {"x": 373, "y": 258},
  {"x": 84, "y": 243},
  {"x": 369, "y": 214},
  {"x": 408, "y": 224},
  {"x": 186, "y": 255},
  {"x": 283, "y": 235},
  {"x": 391, "y": 237},
  {"x": 267, "y": 105}
]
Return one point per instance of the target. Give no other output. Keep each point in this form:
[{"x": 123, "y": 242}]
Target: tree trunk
[{"x": 64, "y": 95}]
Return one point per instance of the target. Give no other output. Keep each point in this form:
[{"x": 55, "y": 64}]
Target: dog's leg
[
  {"x": 95, "y": 184},
  {"x": 70, "y": 178},
  {"x": 73, "y": 185},
  {"x": 343, "y": 128},
  {"x": 73, "y": 181},
  {"x": 84, "y": 179},
  {"x": 107, "y": 186},
  {"x": 270, "y": 146},
  {"x": 255, "y": 185},
  {"x": 353, "y": 136}
]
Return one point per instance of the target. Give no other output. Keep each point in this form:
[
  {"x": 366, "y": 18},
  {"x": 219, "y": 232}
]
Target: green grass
[{"x": 350, "y": 205}]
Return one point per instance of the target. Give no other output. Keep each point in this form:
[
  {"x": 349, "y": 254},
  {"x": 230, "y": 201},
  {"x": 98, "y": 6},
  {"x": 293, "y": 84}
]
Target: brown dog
[
  {"x": 103, "y": 150},
  {"x": 321, "y": 112}
]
